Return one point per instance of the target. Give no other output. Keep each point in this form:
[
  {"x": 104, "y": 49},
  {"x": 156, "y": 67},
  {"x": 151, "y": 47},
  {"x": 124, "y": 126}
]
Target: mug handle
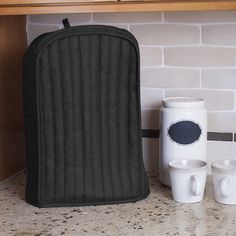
[
  {"x": 195, "y": 185},
  {"x": 225, "y": 187}
]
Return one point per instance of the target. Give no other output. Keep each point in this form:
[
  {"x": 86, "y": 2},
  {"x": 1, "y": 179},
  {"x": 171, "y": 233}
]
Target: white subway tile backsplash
[
  {"x": 151, "y": 56},
  {"x": 234, "y": 100},
  {"x": 222, "y": 121},
  {"x": 219, "y": 34},
  {"x": 34, "y": 30},
  {"x": 216, "y": 100},
  {"x": 200, "y": 16},
  {"x": 234, "y": 150},
  {"x": 122, "y": 17},
  {"x": 151, "y": 98},
  {"x": 150, "y": 119},
  {"x": 218, "y": 151},
  {"x": 199, "y": 56},
  {"x": 166, "y": 34},
  {"x": 74, "y": 19},
  {"x": 219, "y": 78},
  {"x": 170, "y": 78}
]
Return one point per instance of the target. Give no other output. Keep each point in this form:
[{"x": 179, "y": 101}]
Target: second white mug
[
  {"x": 224, "y": 181},
  {"x": 188, "y": 179}
]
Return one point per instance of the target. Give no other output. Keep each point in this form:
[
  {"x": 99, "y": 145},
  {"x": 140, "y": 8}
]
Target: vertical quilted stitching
[
  {"x": 132, "y": 165},
  {"x": 76, "y": 117},
  {"x": 61, "y": 54},
  {"x": 59, "y": 113},
  {"x": 118, "y": 115},
  {"x": 105, "y": 142},
  {"x": 72, "y": 46},
  {"x": 129, "y": 164},
  {"x": 113, "y": 119},
  {"x": 90, "y": 131},
  {"x": 124, "y": 119},
  {"x": 47, "y": 108},
  {"x": 100, "y": 52},
  {"x": 41, "y": 161},
  {"x": 52, "y": 166},
  {"x": 68, "y": 119},
  {"x": 95, "y": 125},
  {"x": 134, "y": 125},
  {"x": 88, "y": 115},
  {"x": 79, "y": 121}
]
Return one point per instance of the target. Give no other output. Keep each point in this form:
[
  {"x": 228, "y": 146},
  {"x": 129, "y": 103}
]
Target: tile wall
[{"x": 182, "y": 54}]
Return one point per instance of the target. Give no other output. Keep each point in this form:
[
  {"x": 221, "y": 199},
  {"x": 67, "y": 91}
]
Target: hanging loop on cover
[{"x": 66, "y": 23}]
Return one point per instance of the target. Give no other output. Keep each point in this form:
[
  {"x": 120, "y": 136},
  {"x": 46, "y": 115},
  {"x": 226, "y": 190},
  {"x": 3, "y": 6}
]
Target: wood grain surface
[
  {"x": 12, "y": 48},
  {"x": 17, "y": 7}
]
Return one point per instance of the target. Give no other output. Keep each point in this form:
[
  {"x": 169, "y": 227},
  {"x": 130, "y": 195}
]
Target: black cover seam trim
[
  {"x": 54, "y": 131},
  {"x": 63, "y": 204},
  {"x": 82, "y": 117},
  {"x": 100, "y": 114},
  {"x": 63, "y": 119},
  {"x": 109, "y": 133},
  {"x": 129, "y": 94},
  {"x": 69, "y": 41},
  {"x": 92, "y": 113},
  {"x": 42, "y": 173},
  {"x": 118, "y": 116}
]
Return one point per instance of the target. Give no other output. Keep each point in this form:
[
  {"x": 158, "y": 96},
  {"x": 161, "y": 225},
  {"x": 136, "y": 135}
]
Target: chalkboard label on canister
[{"x": 184, "y": 132}]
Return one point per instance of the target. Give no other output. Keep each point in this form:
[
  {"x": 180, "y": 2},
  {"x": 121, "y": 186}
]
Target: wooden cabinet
[
  {"x": 16, "y": 7},
  {"x": 12, "y": 48},
  {"x": 35, "y": 2}
]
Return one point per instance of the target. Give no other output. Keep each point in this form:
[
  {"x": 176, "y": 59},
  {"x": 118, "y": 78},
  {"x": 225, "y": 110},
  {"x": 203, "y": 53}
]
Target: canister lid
[{"x": 181, "y": 102}]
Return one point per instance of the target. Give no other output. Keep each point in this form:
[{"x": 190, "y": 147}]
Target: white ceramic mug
[
  {"x": 188, "y": 180},
  {"x": 224, "y": 181}
]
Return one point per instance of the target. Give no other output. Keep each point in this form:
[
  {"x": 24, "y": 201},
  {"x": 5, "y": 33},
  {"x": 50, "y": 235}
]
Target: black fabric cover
[{"x": 82, "y": 118}]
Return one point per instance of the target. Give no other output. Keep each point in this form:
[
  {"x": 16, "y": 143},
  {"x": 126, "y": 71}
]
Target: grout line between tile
[
  {"x": 162, "y": 57},
  {"x": 200, "y": 74},
  {"x": 200, "y": 35},
  {"x": 162, "y": 17}
]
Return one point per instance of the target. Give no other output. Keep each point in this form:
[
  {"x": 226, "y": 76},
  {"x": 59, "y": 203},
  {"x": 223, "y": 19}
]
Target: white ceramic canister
[{"x": 183, "y": 132}]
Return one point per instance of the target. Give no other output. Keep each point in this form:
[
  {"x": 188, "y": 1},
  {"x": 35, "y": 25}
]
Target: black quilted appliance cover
[{"x": 82, "y": 118}]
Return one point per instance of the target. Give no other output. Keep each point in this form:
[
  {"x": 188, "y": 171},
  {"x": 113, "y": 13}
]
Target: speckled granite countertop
[{"x": 158, "y": 215}]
